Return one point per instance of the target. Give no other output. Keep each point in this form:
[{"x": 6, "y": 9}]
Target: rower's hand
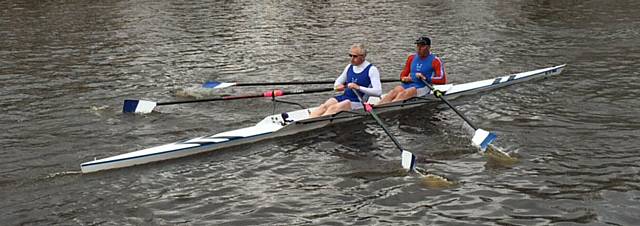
[
  {"x": 406, "y": 79},
  {"x": 438, "y": 93},
  {"x": 421, "y": 76},
  {"x": 339, "y": 88},
  {"x": 353, "y": 86}
]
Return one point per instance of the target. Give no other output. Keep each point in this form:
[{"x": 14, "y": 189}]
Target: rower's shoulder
[
  {"x": 366, "y": 64},
  {"x": 410, "y": 58},
  {"x": 372, "y": 67}
]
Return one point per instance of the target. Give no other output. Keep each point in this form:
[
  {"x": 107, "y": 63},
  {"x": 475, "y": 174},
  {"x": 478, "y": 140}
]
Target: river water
[{"x": 66, "y": 67}]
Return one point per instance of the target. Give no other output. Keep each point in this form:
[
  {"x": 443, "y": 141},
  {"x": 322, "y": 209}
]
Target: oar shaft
[
  {"x": 212, "y": 99},
  {"x": 213, "y": 84},
  {"x": 298, "y": 82},
  {"x": 379, "y": 121},
  {"x": 393, "y": 138},
  {"x": 451, "y": 106},
  {"x": 481, "y": 138},
  {"x": 301, "y": 91},
  {"x": 283, "y": 83},
  {"x": 408, "y": 159},
  {"x": 271, "y": 93}
]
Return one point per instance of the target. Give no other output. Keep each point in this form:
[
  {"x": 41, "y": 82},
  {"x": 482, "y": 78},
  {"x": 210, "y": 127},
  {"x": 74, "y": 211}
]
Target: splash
[
  {"x": 99, "y": 110},
  {"x": 499, "y": 157},
  {"x": 61, "y": 174},
  {"x": 433, "y": 181},
  {"x": 437, "y": 182},
  {"x": 197, "y": 92}
]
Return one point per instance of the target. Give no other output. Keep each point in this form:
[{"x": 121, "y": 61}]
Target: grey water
[{"x": 67, "y": 66}]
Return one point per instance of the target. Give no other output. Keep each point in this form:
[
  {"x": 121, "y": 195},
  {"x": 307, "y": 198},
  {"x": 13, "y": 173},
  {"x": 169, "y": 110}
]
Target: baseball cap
[{"x": 424, "y": 40}]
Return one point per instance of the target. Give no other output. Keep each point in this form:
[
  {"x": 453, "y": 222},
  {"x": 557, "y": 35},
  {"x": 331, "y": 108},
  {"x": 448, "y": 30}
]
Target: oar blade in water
[
  {"x": 408, "y": 161},
  {"x": 436, "y": 182},
  {"x": 482, "y": 138}
]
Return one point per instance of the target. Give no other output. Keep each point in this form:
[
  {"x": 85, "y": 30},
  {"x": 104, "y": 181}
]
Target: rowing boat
[{"x": 293, "y": 122}]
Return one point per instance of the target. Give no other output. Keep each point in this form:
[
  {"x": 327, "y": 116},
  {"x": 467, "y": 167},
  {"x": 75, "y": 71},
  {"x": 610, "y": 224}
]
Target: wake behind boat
[{"x": 293, "y": 122}]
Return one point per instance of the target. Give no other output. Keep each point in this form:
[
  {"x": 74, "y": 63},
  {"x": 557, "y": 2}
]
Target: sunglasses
[{"x": 353, "y": 55}]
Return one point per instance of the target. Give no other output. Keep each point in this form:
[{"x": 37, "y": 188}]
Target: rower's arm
[
  {"x": 376, "y": 87},
  {"x": 406, "y": 71},
  {"x": 439, "y": 76}
]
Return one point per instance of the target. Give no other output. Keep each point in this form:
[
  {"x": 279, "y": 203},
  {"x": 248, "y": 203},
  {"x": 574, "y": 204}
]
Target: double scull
[{"x": 293, "y": 122}]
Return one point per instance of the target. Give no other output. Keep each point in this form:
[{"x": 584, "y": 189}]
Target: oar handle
[{"x": 449, "y": 104}]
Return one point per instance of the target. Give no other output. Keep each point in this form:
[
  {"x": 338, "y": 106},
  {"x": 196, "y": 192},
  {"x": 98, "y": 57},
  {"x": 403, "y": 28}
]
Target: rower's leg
[
  {"x": 342, "y": 106},
  {"x": 408, "y": 93},
  {"x": 323, "y": 107},
  {"x": 391, "y": 95}
]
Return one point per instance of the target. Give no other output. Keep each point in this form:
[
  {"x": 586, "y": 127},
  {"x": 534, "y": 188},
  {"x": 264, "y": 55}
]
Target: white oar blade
[
  {"x": 138, "y": 106},
  {"x": 217, "y": 85},
  {"x": 408, "y": 161},
  {"x": 482, "y": 139}
]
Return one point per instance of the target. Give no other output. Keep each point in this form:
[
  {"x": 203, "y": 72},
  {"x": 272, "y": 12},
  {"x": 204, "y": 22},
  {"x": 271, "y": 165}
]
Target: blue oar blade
[
  {"x": 483, "y": 138},
  {"x": 130, "y": 105},
  {"x": 210, "y": 84},
  {"x": 216, "y": 85},
  {"x": 408, "y": 161},
  {"x": 138, "y": 106}
]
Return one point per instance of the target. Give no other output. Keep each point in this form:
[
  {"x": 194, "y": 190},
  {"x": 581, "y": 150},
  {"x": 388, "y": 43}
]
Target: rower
[
  {"x": 422, "y": 65},
  {"x": 359, "y": 75}
]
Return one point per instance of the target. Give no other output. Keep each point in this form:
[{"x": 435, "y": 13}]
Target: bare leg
[
  {"x": 391, "y": 95},
  {"x": 323, "y": 107},
  {"x": 342, "y": 106},
  {"x": 408, "y": 93}
]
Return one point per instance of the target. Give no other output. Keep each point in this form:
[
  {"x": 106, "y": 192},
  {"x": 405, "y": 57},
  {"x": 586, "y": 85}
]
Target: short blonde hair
[{"x": 361, "y": 47}]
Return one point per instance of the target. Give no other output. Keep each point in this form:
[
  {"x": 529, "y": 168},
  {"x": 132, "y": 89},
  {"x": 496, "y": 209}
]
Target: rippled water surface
[{"x": 66, "y": 66}]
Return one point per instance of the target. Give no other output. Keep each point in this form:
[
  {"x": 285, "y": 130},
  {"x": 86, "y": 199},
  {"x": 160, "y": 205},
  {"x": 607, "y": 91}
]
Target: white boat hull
[{"x": 297, "y": 121}]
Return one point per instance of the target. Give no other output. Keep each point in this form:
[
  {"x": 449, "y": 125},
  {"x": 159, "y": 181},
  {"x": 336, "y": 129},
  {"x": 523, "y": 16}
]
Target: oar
[
  {"x": 481, "y": 138},
  {"x": 145, "y": 106},
  {"x": 408, "y": 159},
  {"x": 219, "y": 85}
]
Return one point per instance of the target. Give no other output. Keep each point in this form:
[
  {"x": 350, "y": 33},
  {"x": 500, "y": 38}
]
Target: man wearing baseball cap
[{"x": 422, "y": 65}]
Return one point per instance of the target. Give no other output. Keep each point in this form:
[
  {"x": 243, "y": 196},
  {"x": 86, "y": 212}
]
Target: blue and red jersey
[{"x": 430, "y": 66}]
